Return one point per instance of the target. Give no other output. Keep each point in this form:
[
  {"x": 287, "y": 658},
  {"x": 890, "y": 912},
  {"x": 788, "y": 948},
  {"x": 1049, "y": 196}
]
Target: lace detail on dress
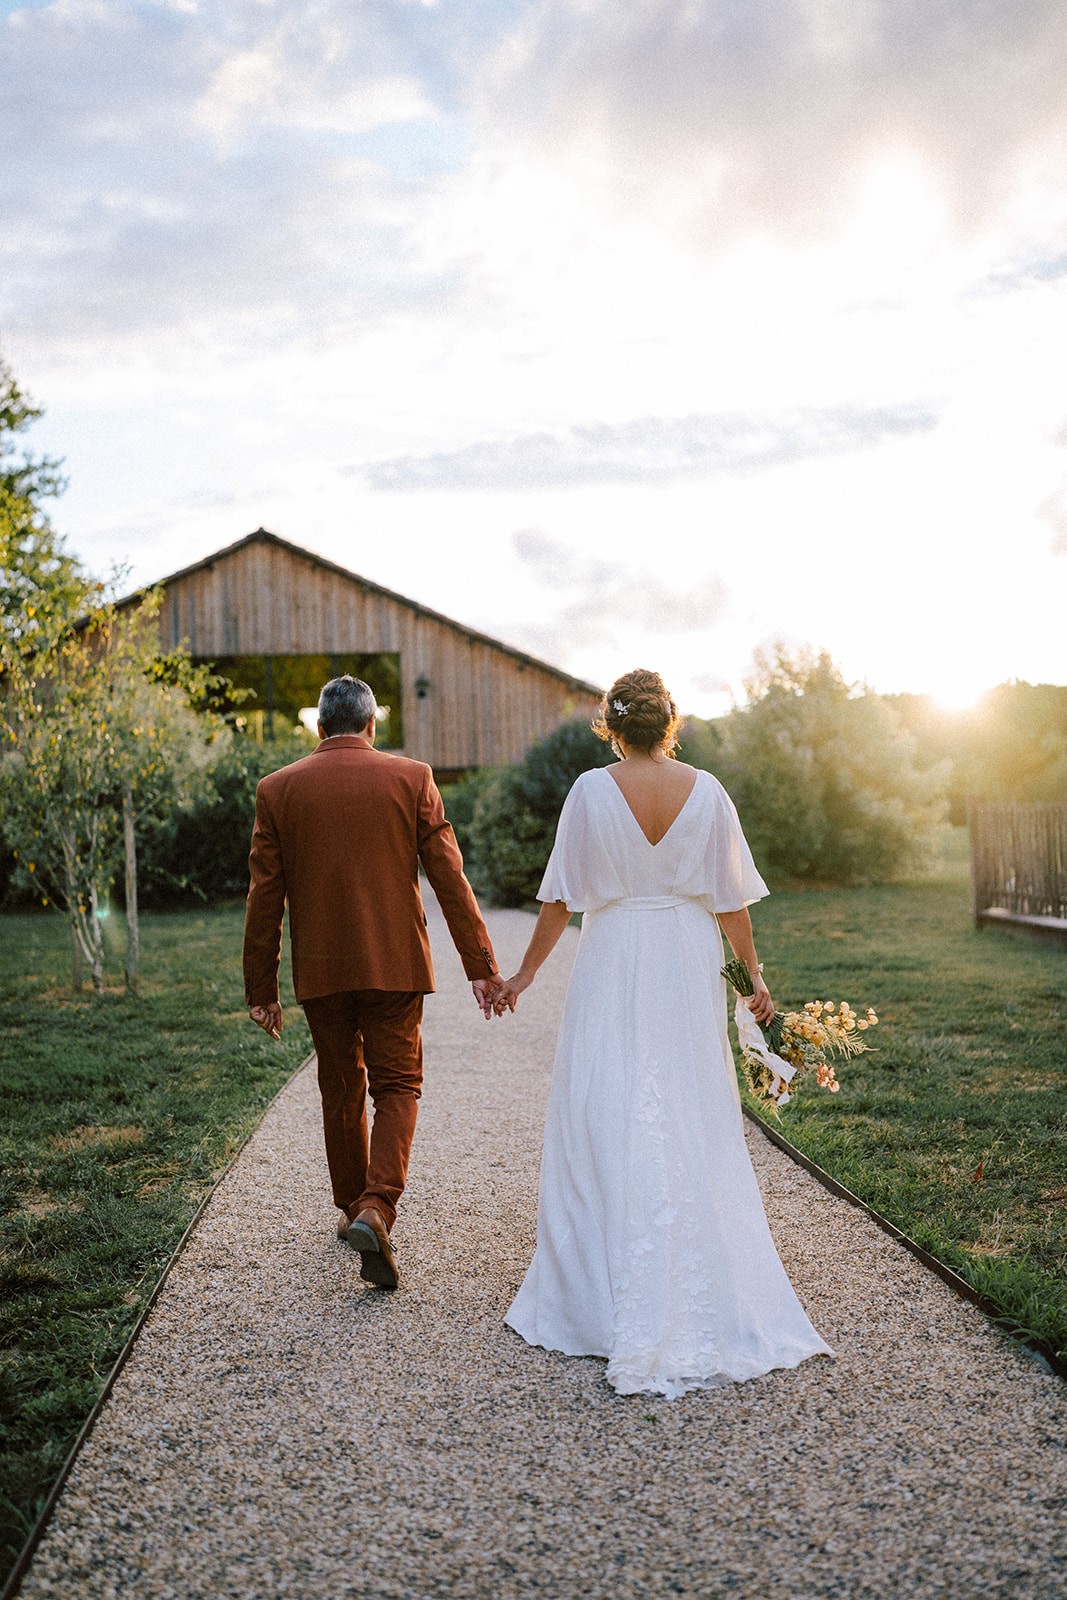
[{"x": 665, "y": 1333}]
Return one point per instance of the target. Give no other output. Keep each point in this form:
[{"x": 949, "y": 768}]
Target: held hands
[
  {"x": 509, "y": 992},
  {"x": 552, "y": 918},
  {"x": 485, "y": 993},
  {"x": 269, "y": 1018},
  {"x": 496, "y": 995},
  {"x": 500, "y": 994}
]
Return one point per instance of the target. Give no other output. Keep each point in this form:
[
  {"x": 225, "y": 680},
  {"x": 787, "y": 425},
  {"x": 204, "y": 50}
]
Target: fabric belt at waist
[{"x": 650, "y": 902}]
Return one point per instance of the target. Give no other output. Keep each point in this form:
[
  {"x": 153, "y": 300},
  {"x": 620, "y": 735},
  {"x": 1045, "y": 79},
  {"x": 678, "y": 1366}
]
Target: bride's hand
[
  {"x": 759, "y": 1002},
  {"x": 509, "y": 991}
]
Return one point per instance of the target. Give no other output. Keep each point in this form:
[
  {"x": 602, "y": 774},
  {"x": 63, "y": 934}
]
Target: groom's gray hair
[{"x": 346, "y": 705}]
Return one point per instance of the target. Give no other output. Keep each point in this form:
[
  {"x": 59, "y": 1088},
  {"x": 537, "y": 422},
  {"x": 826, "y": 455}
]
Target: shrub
[
  {"x": 700, "y": 744},
  {"x": 198, "y": 851},
  {"x": 460, "y": 800},
  {"x": 514, "y": 821},
  {"x": 8, "y": 864},
  {"x": 510, "y": 843},
  {"x": 551, "y": 766}
]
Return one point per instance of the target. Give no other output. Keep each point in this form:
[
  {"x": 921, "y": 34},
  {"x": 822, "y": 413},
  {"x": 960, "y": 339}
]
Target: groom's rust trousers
[{"x": 340, "y": 836}]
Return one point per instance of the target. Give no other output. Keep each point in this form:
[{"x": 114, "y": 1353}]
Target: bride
[{"x": 652, "y": 1245}]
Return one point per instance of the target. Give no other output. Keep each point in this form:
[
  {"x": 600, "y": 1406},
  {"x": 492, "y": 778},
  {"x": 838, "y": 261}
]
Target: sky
[{"x": 632, "y": 335}]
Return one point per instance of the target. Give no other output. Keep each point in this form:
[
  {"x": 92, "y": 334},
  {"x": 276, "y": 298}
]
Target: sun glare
[{"x": 957, "y": 694}]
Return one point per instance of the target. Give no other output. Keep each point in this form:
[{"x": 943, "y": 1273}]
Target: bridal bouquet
[{"x": 799, "y": 1044}]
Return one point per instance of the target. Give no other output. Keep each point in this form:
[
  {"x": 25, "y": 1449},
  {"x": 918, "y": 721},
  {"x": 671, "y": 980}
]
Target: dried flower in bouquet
[{"x": 798, "y": 1044}]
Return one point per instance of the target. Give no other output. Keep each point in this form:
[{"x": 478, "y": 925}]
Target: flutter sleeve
[
  {"x": 580, "y": 871},
  {"x": 730, "y": 879}
]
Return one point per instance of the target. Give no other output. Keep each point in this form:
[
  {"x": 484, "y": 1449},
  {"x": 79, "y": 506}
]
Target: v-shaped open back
[
  {"x": 602, "y": 854},
  {"x": 640, "y": 826}
]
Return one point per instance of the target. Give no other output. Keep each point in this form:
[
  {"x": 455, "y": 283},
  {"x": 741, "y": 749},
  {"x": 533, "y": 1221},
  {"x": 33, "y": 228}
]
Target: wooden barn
[{"x": 280, "y": 621}]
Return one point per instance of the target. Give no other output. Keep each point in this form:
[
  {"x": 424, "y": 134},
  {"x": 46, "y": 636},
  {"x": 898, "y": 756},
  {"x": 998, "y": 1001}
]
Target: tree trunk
[
  {"x": 84, "y": 922},
  {"x": 75, "y": 953},
  {"x": 133, "y": 926},
  {"x": 86, "y": 925},
  {"x": 96, "y": 942}
]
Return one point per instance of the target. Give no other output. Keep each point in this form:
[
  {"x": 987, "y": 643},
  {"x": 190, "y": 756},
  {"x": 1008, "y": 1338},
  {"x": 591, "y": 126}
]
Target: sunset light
[
  {"x": 614, "y": 336},
  {"x": 533, "y": 540}
]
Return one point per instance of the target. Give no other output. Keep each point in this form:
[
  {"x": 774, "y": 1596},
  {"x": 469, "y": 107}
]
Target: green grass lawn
[
  {"x": 117, "y": 1114},
  {"x": 953, "y": 1125}
]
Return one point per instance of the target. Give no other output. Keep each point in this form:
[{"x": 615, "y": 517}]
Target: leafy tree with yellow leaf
[
  {"x": 33, "y": 561},
  {"x": 94, "y": 722},
  {"x": 97, "y": 726}
]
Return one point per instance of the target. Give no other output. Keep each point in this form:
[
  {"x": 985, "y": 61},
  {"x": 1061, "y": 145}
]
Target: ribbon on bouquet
[{"x": 754, "y": 1044}]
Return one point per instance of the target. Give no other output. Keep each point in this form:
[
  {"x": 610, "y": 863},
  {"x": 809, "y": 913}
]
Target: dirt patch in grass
[
  {"x": 38, "y": 1203},
  {"x": 83, "y": 1138}
]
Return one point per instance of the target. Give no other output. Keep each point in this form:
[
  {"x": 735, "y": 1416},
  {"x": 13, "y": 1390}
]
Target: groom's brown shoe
[{"x": 369, "y": 1235}]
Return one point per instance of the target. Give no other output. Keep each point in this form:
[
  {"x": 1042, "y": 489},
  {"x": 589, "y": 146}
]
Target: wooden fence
[{"x": 1019, "y": 863}]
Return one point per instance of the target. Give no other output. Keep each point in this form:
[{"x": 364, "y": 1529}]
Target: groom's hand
[
  {"x": 485, "y": 991},
  {"x": 269, "y": 1018}
]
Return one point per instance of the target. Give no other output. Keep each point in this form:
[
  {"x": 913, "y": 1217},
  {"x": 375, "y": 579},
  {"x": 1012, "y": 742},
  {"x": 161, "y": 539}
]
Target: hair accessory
[{"x": 618, "y": 706}]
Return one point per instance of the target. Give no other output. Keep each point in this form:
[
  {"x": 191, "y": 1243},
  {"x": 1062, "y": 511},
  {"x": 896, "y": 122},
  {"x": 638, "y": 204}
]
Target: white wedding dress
[{"x": 652, "y": 1245}]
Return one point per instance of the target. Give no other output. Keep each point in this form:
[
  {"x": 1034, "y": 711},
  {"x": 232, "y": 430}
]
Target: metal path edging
[{"x": 953, "y": 1279}]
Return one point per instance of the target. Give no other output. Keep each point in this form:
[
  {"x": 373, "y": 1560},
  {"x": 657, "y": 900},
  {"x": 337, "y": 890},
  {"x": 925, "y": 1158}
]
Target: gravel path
[{"x": 282, "y": 1430}]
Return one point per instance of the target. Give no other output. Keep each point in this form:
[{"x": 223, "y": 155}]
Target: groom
[{"x": 340, "y": 835}]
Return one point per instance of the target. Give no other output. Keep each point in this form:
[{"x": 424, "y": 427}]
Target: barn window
[{"x": 285, "y": 686}]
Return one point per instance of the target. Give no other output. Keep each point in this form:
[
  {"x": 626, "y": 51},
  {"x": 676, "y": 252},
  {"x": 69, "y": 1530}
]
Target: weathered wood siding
[{"x": 485, "y": 704}]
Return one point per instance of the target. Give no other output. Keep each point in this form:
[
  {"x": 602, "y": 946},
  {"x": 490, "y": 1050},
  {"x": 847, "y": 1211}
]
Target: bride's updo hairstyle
[{"x": 639, "y": 710}]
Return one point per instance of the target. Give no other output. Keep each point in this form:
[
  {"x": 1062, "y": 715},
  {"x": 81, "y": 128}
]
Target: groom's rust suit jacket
[{"x": 340, "y": 836}]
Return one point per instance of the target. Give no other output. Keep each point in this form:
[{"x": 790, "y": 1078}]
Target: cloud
[
  {"x": 602, "y": 603},
  {"x": 223, "y": 175},
  {"x": 766, "y": 113},
  {"x": 1054, "y": 512},
  {"x": 256, "y": 174},
  {"x": 556, "y": 564},
  {"x": 649, "y": 449}
]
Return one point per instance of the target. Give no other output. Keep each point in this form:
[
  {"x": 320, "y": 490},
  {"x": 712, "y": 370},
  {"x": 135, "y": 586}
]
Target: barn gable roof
[{"x": 263, "y": 536}]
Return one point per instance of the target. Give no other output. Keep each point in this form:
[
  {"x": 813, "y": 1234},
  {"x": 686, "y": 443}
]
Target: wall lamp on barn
[{"x": 422, "y": 686}]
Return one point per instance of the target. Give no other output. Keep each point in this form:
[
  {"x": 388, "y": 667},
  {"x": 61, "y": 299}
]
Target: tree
[
  {"x": 1011, "y": 746},
  {"x": 41, "y": 589},
  {"x": 37, "y": 572},
  {"x": 91, "y": 715},
  {"x": 157, "y": 741},
  {"x": 94, "y": 735},
  {"x": 55, "y": 780},
  {"x": 825, "y": 775}
]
